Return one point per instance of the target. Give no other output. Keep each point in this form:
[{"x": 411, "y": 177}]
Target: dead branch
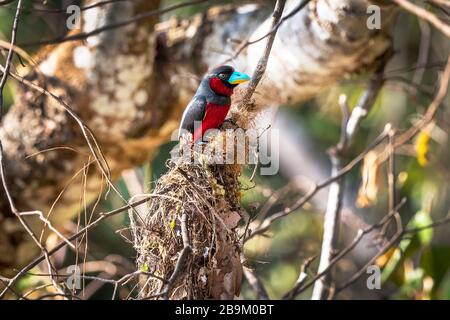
[
  {"x": 332, "y": 218},
  {"x": 256, "y": 284}
]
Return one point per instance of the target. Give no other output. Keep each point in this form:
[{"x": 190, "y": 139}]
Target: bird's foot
[{"x": 228, "y": 122}]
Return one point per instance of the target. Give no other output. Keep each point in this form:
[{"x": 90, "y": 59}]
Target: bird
[{"x": 210, "y": 104}]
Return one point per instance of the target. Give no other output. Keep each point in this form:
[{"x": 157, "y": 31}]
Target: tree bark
[{"x": 131, "y": 84}]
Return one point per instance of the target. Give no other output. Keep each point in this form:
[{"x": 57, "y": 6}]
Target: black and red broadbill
[{"x": 210, "y": 104}]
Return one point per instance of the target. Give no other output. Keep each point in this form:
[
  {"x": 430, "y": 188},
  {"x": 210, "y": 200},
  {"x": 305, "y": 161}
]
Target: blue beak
[{"x": 238, "y": 77}]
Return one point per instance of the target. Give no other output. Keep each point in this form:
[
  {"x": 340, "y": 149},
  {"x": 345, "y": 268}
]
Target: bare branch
[
  {"x": 298, "y": 289},
  {"x": 120, "y": 24},
  {"x": 256, "y": 284},
  {"x": 424, "y": 14},
  {"x": 10, "y": 55},
  {"x": 332, "y": 220},
  {"x": 182, "y": 259},
  {"x": 262, "y": 63},
  {"x": 81, "y": 232},
  {"x": 267, "y": 222}
]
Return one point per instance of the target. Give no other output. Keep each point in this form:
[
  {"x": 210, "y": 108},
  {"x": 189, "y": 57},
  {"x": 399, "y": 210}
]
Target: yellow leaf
[
  {"x": 384, "y": 259},
  {"x": 422, "y": 147}
]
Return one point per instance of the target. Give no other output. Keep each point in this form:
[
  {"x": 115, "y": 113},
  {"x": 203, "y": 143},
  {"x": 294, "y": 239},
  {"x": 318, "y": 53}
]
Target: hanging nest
[{"x": 190, "y": 236}]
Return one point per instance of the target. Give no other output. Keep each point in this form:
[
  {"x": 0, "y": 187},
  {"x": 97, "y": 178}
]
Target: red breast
[{"x": 214, "y": 117}]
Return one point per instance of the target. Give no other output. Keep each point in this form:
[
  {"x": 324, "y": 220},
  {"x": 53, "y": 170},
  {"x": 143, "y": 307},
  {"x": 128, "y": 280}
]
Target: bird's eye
[{"x": 222, "y": 76}]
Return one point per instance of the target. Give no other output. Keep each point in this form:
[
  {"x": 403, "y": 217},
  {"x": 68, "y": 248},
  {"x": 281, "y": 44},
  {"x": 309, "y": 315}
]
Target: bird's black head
[
  {"x": 223, "y": 79},
  {"x": 229, "y": 76},
  {"x": 223, "y": 73}
]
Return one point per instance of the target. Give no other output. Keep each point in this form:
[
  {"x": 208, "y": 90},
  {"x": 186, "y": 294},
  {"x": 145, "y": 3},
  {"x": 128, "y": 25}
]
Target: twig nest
[{"x": 208, "y": 197}]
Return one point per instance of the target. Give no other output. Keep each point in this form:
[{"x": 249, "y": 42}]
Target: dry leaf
[
  {"x": 232, "y": 220},
  {"x": 368, "y": 189}
]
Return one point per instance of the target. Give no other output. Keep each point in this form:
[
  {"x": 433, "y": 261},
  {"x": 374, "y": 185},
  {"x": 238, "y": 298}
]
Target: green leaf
[
  {"x": 172, "y": 225},
  {"x": 408, "y": 247},
  {"x": 436, "y": 263},
  {"x": 422, "y": 219},
  {"x": 144, "y": 268}
]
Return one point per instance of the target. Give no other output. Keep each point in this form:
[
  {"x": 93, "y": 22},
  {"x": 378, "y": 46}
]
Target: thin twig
[
  {"x": 120, "y": 24},
  {"x": 274, "y": 29},
  {"x": 262, "y": 63},
  {"x": 87, "y": 133},
  {"x": 10, "y": 55},
  {"x": 256, "y": 284},
  {"x": 182, "y": 259},
  {"x": 431, "y": 110},
  {"x": 267, "y": 222},
  {"x": 75, "y": 236},
  {"x": 298, "y": 289},
  {"x": 395, "y": 238},
  {"x": 424, "y": 14}
]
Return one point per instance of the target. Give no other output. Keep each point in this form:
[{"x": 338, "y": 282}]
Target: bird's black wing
[{"x": 195, "y": 111}]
